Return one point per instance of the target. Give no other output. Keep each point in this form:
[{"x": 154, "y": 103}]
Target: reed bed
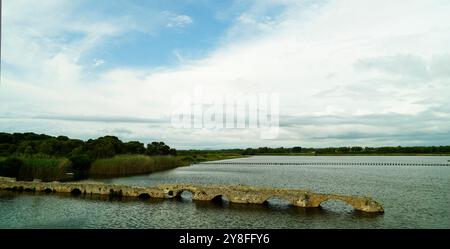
[
  {"x": 45, "y": 169},
  {"x": 125, "y": 165}
]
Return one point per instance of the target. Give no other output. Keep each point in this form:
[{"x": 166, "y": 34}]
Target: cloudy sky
[{"x": 348, "y": 72}]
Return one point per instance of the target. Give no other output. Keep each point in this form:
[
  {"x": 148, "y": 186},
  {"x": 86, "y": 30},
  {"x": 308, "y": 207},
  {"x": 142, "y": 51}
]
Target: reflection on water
[
  {"x": 413, "y": 197},
  {"x": 41, "y": 210}
]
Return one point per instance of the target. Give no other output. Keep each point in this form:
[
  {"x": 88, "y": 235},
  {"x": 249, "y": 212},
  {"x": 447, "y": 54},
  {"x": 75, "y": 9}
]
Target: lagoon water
[{"x": 412, "y": 196}]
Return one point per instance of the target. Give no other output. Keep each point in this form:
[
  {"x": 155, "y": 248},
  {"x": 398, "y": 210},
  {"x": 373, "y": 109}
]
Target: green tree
[
  {"x": 134, "y": 147},
  {"x": 297, "y": 149},
  {"x": 158, "y": 148},
  {"x": 104, "y": 147}
]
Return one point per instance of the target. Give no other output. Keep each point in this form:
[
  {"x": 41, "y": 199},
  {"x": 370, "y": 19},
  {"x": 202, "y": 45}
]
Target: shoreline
[{"x": 388, "y": 154}]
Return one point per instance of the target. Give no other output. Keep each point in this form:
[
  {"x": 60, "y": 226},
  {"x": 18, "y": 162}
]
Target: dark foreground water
[{"x": 413, "y": 197}]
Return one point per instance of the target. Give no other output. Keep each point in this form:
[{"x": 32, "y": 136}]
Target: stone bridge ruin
[{"x": 233, "y": 193}]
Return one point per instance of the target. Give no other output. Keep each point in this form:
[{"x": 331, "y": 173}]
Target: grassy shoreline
[
  {"x": 28, "y": 168},
  {"x": 47, "y": 168},
  {"x": 128, "y": 165},
  {"x": 355, "y": 154}
]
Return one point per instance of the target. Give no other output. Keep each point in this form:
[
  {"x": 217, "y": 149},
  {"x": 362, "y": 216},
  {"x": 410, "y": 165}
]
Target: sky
[{"x": 348, "y": 72}]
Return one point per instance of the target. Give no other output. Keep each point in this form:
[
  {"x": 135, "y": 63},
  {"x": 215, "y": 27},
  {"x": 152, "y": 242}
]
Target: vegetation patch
[
  {"x": 28, "y": 168},
  {"x": 29, "y": 156},
  {"x": 123, "y": 165}
]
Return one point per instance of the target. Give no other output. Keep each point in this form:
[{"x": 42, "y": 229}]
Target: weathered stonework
[{"x": 234, "y": 193}]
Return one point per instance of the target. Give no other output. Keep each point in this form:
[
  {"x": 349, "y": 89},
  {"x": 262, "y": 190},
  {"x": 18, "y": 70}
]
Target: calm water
[{"x": 413, "y": 197}]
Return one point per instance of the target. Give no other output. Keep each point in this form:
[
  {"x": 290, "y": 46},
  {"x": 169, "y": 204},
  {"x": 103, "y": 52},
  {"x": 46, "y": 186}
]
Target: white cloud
[
  {"x": 178, "y": 56},
  {"x": 98, "y": 62},
  {"x": 39, "y": 41},
  {"x": 176, "y": 20},
  {"x": 307, "y": 54},
  {"x": 403, "y": 65}
]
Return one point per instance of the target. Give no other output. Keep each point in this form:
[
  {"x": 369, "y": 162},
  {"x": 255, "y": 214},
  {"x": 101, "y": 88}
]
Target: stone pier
[{"x": 233, "y": 193}]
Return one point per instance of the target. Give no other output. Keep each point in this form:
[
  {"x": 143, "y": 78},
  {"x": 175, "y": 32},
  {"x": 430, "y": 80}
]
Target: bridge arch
[
  {"x": 75, "y": 191},
  {"x": 336, "y": 204},
  {"x": 276, "y": 200},
  {"x": 185, "y": 194},
  {"x": 48, "y": 190},
  {"x": 358, "y": 203},
  {"x": 220, "y": 199},
  {"x": 144, "y": 196}
]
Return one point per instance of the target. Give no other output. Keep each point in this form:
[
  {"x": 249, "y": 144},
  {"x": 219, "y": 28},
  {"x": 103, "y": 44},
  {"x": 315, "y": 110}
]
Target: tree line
[
  {"x": 297, "y": 150},
  {"x": 102, "y": 147},
  {"x": 109, "y": 146},
  {"x": 350, "y": 150},
  {"x": 81, "y": 153}
]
